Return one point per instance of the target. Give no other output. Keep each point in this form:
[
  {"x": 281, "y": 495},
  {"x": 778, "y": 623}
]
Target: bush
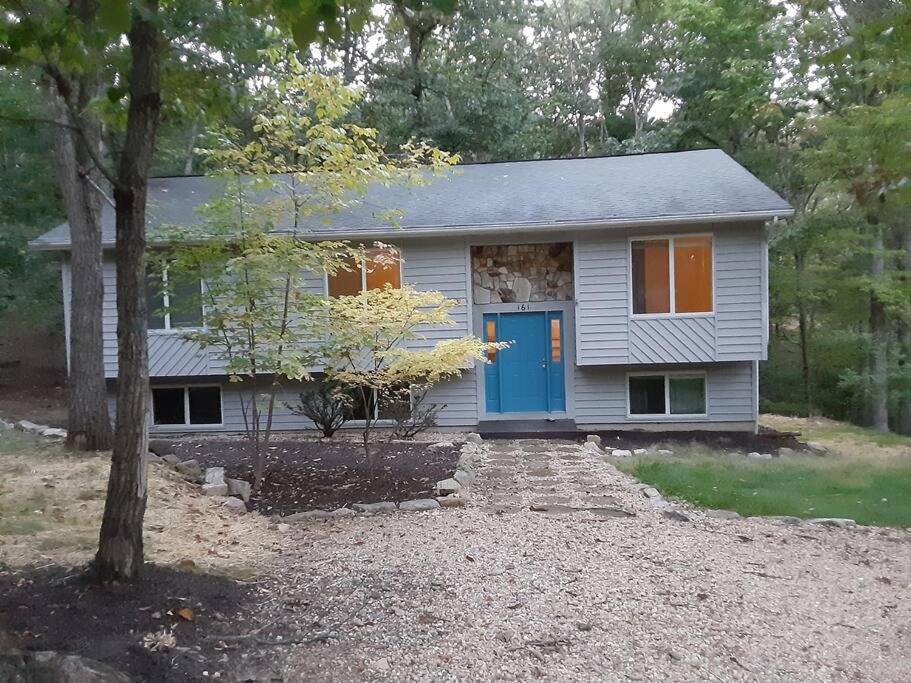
[
  {"x": 783, "y": 408},
  {"x": 410, "y": 418},
  {"x": 327, "y": 405}
]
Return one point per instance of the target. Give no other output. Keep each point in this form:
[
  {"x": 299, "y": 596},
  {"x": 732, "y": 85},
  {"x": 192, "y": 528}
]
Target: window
[
  {"x": 672, "y": 275},
  {"x": 667, "y": 394},
  {"x": 556, "y": 350},
  {"x": 174, "y": 303},
  {"x": 490, "y": 333},
  {"x": 382, "y": 266},
  {"x": 186, "y": 405}
]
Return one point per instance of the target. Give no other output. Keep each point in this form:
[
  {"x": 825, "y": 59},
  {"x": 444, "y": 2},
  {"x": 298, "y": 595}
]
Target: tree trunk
[
  {"x": 803, "y": 329},
  {"x": 77, "y": 144},
  {"x": 903, "y": 422},
  {"x": 120, "y": 550},
  {"x": 89, "y": 424},
  {"x": 879, "y": 332}
]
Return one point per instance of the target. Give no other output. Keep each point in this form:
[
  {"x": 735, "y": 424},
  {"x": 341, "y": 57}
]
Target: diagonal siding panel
[{"x": 672, "y": 340}]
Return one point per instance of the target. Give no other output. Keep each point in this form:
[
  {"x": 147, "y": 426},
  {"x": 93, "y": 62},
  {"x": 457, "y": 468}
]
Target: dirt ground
[
  {"x": 32, "y": 375},
  {"x": 307, "y": 473}
]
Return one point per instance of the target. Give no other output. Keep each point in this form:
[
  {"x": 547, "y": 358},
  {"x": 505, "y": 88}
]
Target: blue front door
[{"x": 527, "y": 377}]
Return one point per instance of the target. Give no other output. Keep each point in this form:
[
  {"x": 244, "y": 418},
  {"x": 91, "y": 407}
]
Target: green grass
[
  {"x": 843, "y": 430},
  {"x": 14, "y": 442},
  {"x": 874, "y": 494}
]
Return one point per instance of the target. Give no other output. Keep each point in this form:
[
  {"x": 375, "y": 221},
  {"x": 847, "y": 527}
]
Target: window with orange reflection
[
  {"x": 651, "y": 276},
  {"x": 490, "y": 335},
  {"x": 672, "y": 275},
  {"x": 556, "y": 350},
  {"x": 381, "y": 267},
  {"x": 693, "y": 274}
]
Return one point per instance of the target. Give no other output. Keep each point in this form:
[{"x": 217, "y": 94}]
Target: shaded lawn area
[{"x": 871, "y": 493}]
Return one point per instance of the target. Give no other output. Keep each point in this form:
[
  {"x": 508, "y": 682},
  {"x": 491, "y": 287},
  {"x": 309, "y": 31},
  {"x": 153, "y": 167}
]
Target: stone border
[
  {"x": 33, "y": 428},
  {"x": 450, "y": 493}
]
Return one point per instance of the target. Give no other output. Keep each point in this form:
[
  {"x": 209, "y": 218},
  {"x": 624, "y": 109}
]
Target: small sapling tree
[
  {"x": 262, "y": 318},
  {"x": 371, "y": 339}
]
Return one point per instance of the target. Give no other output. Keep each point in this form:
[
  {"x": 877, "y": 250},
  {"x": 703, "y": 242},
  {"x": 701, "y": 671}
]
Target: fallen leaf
[{"x": 185, "y": 613}]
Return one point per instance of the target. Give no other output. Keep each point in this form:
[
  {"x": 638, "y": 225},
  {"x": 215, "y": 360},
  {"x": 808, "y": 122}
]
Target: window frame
[
  {"x": 672, "y": 286},
  {"x": 668, "y": 375},
  {"x": 186, "y": 406},
  {"x": 363, "y": 265},
  {"x": 166, "y": 304}
]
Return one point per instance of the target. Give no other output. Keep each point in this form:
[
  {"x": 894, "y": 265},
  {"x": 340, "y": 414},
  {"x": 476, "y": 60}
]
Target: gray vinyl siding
[
  {"x": 602, "y": 299},
  {"x": 601, "y": 393},
  {"x": 608, "y": 335},
  {"x": 439, "y": 265}
]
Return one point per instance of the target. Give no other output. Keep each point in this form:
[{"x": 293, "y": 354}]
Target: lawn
[{"x": 874, "y": 493}]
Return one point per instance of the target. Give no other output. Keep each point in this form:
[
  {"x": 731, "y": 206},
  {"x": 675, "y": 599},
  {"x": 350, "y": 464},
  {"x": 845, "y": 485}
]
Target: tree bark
[
  {"x": 120, "y": 549},
  {"x": 89, "y": 423},
  {"x": 803, "y": 329},
  {"x": 879, "y": 332}
]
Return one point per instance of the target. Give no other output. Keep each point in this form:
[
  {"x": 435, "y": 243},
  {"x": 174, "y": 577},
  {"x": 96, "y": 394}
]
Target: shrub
[
  {"x": 410, "y": 418},
  {"x": 327, "y": 405}
]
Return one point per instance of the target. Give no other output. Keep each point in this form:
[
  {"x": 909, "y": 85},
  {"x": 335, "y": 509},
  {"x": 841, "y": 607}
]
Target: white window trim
[
  {"x": 364, "y": 273},
  {"x": 671, "y": 276},
  {"x": 186, "y": 406},
  {"x": 668, "y": 375},
  {"x": 166, "y": 304}
]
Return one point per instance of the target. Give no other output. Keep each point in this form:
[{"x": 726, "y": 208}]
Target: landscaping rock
[
  {"x": 651, "y": 492},
  {"x": 153, "y": 459},
  {"x": 448, "y": 487},
  {"x": 664, "y": 451},
  {"x": 451, "y": 501},
  {"x": 189, "y": 469},
  {"x": 4, "y": 425},
  {"x": 234, "y": 505},
  {"x": 170, "y": 459},
  {"x": 440, "y": 444},
  {"x": 817, "y": 448},
  {"x": 723, "y": 514},
  {"x": 836, "y": 522},
  {"x": 239, "y": 487},
  {"x": 419, "y": 505},
  {"x": 639, "y": 451},
  {"x": 785, "y": 519},
  {"x": 622, "y": 453},
  {"x": 592, "y": 447},
  {"x": 28, "y": 426},
  {"x": 785, "y": 451},
  {"x": 474, "y": 438},
  {"x": 160, "y": 447},
  {"x": 54, "y": 432},
  {"x": 374, "y": 508},
  {"x": 214, "y": 475},
  {"x": 464, "y": 477},
  {"x": 759, "y": 456},
  {"x": 593, "y": 438},
  {"x": 675, "y": 515},
  {"x": 46, "y": 666},
  {"x": 215, "y": 490}
]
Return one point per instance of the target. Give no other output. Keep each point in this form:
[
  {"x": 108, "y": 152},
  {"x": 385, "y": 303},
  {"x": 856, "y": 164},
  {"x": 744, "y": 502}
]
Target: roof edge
[{"x": 506, "y": 228}]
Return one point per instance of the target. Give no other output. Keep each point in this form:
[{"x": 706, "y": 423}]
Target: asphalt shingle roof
[{"x": 473, "y": 198}]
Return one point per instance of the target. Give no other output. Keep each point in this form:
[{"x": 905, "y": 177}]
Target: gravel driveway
[{"x": 496, "y": 591}]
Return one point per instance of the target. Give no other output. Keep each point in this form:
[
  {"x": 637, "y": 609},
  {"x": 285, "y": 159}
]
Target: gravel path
[{"x": 496, "y": 591}]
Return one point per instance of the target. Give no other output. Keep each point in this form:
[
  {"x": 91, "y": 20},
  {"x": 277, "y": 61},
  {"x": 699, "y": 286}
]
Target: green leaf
[{"x": 114, "y": 15}]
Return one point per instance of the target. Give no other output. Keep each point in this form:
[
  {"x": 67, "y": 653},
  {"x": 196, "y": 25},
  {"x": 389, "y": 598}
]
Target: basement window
[
  {"x": 666, "y": 394},
  {"x": 194, "y": 405}
]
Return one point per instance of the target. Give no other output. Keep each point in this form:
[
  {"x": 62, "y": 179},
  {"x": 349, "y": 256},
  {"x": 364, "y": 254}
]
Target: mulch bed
[
  {"x": 309, "y": 474},
  {"x": 767, "y": 441},
  {"x": 54, "y": 609}
]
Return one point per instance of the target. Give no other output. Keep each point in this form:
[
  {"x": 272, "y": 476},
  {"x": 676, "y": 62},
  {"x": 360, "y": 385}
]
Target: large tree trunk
[
  {"x": 879, "y": 334},
  {"x": 903, "y": 422},
  {"x": 89, "y": 423},
  {"x": 803, "y": 329},
  {"x": 120, "y": 551}
]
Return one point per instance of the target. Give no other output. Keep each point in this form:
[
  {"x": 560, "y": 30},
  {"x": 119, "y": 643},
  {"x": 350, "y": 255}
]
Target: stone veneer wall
[{"x": 522, "y": 272}]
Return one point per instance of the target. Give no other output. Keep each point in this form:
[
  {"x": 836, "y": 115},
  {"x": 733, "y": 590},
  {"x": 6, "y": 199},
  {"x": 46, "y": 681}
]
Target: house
[{"x": 634, "y": 290}]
